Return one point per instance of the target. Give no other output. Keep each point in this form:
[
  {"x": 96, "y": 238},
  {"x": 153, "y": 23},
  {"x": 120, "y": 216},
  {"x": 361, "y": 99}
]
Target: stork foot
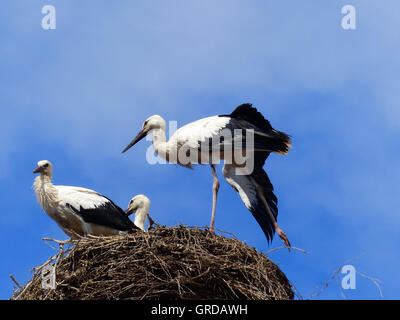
[{"x": 283, "y": 237}]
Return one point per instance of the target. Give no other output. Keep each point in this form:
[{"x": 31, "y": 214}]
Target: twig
[
  {"x": 226, "y": 232},
  {"x": 68, "y": 241},
  {"x": 336, "y": 273},
  {"x": 296, "y": 291},
  {"x": 284, "y": 247},
  {"x": 15, "y": 281},
  {"x": 375, "y": 281},
  {"x": 51, "y": 259}
]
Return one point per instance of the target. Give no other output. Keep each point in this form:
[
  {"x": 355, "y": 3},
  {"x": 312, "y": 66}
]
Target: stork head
[
  {"x": 44, "y": 168},
  {"x": 153, "y": 123},
  {"x": 138, "y": 202}
]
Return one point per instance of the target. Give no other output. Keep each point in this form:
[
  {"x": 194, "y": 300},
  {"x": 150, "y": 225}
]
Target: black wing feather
[
  {"x": 266, "y": 138},
  {"x": 108, "y": 214},
  {"x": 252, "y": 115},
  {"x": 257, "y": 207}
]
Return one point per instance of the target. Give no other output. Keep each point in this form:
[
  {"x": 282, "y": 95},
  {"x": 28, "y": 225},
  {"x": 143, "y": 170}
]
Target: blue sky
[{"x": 78, "y": 94}]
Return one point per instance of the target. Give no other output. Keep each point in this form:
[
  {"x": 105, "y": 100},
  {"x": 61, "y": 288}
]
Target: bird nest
[{"x": 164, "y": 263}]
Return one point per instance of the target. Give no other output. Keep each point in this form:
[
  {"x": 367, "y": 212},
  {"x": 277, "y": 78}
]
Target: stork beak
[
  {"x": 37, "y": 170},
  {"x": 129, "y": 211},
  {"x": 139, "y": 137}
]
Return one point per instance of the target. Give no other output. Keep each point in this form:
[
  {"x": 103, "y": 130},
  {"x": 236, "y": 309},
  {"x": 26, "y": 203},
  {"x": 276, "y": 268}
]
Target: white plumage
[
  {"x": 199, "y": 131},
  {"x": 78, "y": 211},
  {"x": 242, "y": 184},
  {"x": 240, "y": 138},
  {"x": 80, "y": 197}
]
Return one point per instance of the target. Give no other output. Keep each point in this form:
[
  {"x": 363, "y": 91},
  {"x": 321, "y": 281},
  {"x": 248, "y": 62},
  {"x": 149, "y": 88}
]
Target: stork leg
[
  {"x": 215, "y": 192},
  {"x": 279, "y": 231}
]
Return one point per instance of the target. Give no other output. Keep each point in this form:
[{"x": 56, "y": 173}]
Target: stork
[
  {"x": 250, "y": 136},
  {"x": 139, "y": 205},
  {"x": 79, "y": 211}
]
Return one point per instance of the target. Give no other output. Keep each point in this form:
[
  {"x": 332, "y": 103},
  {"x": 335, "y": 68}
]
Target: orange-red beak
[{"x": 37, "y": 170}]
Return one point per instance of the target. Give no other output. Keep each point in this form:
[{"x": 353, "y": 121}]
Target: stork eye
[{"x": 45, "y": 165}]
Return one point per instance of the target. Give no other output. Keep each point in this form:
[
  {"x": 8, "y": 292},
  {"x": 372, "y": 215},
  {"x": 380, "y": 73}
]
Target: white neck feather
[
  {"x": 159, "y": 143},
  {"x": 45, "y": 191},
  {"x": 140, "y": 217}
]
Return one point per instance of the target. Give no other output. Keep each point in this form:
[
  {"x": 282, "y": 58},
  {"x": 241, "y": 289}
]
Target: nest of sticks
[{"x": 164, "y": 263}]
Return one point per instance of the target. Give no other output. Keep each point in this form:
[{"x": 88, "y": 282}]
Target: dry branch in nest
[{"x": 165, "y": 263}]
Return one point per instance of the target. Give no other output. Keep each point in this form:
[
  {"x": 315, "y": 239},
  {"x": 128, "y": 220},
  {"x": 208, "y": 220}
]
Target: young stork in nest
[
  {"x": 79, "y": 211},
  {"x": 140, "y": 205},
  {"x": 244, "y": 133}
]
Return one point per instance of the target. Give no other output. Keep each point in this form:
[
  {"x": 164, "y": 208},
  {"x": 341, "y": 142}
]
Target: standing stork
[
  {"x": 79, "y": 211},
  {"x": 206, "y": 139}
]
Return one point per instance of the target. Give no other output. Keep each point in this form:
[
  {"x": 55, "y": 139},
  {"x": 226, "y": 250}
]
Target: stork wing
[
  {"x": 195, "y": 133},
  {"x": 93, "y": 207},
  {"x": 220, "y": 133},
  {"x": 246, "y": 186}
]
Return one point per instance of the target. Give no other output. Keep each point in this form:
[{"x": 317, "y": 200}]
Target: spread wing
[{"x": 246, "y": 186}]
